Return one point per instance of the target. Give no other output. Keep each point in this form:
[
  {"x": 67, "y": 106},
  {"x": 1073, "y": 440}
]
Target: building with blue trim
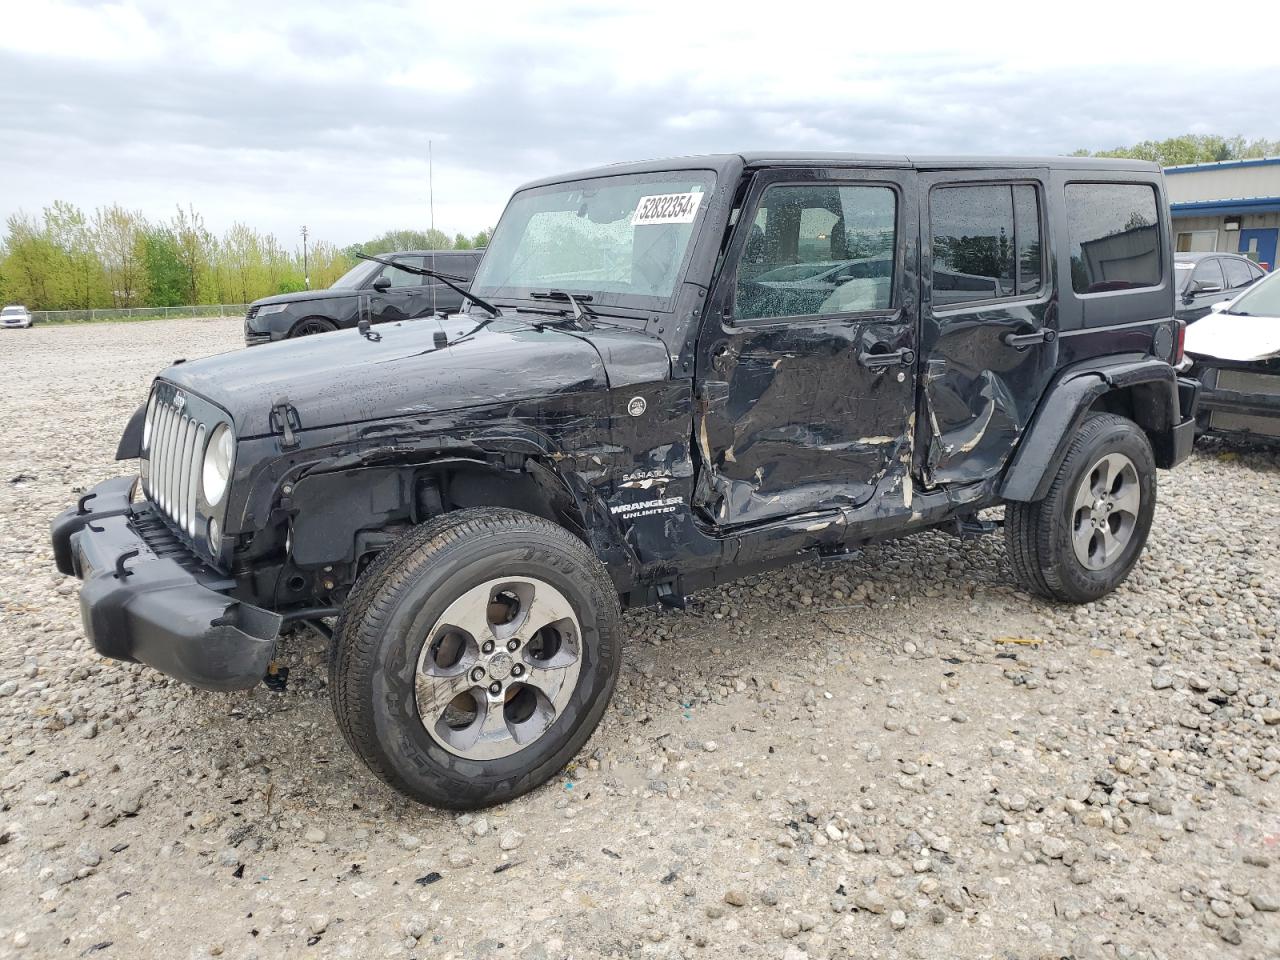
[{"x": 1232, "y": 207}]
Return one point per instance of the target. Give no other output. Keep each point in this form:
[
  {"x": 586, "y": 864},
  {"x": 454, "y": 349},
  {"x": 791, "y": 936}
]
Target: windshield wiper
[
  {"x": 448, "y": 279},
  {"x": 579, "y": 314}
]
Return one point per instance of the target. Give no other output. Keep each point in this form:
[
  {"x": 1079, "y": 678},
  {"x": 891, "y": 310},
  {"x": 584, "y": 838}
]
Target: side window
[
  {"x": 1207, "y": 273},
  {"x": 986, "y": 242},
  {"x": 818, "y": 249},
  {"x": 1238, "y": 273},
  {"x": 403, "y": 278},
  {"x": 1114, "y": 232}
]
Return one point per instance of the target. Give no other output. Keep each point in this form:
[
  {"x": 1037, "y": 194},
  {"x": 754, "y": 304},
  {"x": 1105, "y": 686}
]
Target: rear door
[
  {"x": 989, "y": 327},
  {"x": 806, "y": 363}
]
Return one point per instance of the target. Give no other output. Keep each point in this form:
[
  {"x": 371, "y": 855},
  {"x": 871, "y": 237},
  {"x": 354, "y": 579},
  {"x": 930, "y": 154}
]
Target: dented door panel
[
  {"x": 985, "y": 362},
  {"x": 806, "y": 413}
]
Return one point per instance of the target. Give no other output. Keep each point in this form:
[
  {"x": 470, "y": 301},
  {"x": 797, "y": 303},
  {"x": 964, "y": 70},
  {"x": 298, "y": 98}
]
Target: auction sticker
[{"x": 666, "y": 208}]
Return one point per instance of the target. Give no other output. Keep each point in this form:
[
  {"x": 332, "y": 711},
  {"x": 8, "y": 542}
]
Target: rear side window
[
  {"x": 1114, "y": 232},
  {"x": 986, "y": 242},
  {"x": 1238, "y": 273}
]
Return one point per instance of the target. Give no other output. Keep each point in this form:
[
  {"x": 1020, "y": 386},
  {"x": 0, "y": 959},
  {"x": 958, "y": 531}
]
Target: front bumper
[
  {"x": 1241, "y": 400},
  {"x": 147, "y": 599}
]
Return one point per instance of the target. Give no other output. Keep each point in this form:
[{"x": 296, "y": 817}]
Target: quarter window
[
  {"x": 818, "y": 250},
  {"x": 1115, "y": 236},
  {"x": 986, "y": 242}
]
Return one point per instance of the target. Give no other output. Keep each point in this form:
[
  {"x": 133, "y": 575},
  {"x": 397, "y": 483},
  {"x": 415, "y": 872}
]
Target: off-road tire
[
  {"x": 1038, "y": 534},
  {"x": 375, "y": 652}
]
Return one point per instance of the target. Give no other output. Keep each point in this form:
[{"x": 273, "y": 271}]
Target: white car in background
[
  {"x": 1235, "y": 354},
  {"x": 15, "y": 315}
]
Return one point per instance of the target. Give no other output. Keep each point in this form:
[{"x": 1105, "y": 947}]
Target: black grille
[
  {"x": 252, "y": 339},
  {"x": 165, "y": 543},
  {"x": 253, "y": 312}
]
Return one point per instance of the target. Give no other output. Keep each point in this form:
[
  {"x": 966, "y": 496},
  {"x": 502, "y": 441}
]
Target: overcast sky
[{"x": 278, "y": 113}]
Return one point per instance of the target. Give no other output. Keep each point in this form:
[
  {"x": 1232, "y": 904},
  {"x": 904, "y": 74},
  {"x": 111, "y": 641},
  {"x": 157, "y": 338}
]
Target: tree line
[
  {"x": 1191, "y": 148},
  {"x": 67, "y": 259}
]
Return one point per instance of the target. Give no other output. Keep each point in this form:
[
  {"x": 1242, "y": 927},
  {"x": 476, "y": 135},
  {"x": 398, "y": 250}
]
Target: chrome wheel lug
[
  {"x": 495, "y": 688},
  {"x": 487, "y": 647},
  {"x": 518, "y": 670},
  {"x": 513, "y": 645},
  {"x": 477, "y": 674}
]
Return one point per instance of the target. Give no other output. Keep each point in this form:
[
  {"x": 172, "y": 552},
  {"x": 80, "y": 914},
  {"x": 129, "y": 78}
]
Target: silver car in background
[{"x": 15, "y": 315}]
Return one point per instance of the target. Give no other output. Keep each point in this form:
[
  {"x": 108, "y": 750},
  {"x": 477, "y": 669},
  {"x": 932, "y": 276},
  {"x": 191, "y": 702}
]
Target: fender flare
[
  {"x": 1068, "y": 401},
  {"x": 130, "y": 446}
]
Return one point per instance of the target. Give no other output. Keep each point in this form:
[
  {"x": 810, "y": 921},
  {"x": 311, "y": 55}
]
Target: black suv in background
[
  {"x": 1203, "y": 279},
  {"x": 670, "y": 374},
  {"x": 369, "y": 290}
]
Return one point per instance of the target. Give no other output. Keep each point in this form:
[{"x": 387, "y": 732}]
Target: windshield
[
  {"x": 1182, "y": 274},
  {"x": 1260, "y": 300},
  {"x": 14, "y": 310},
  {"x": 620, "y": 240},
  {"x": 356, "y": 276}
]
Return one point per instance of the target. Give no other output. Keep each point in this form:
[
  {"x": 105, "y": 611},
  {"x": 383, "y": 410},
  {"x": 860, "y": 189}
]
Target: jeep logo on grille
[{"x": 179, "y": 401}]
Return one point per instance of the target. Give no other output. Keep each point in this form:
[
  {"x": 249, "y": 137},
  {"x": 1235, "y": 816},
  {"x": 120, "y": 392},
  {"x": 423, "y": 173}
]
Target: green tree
[
  {"x": 194, "y": 245},
  {"x": 120, "y": 239},
  {"x": 166, "y": 278},
  {"x": 481, "y": 239},
  {"x": 1191, "y": 148}
]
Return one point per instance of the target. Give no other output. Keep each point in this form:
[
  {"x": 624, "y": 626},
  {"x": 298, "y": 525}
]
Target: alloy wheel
[
  {"x": 498, "y": 667},
  {"x": 1104, "y": 514}
]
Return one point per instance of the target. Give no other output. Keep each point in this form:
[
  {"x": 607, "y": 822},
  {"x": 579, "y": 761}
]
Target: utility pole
[
  {"x": 306, "y": 272},
  {"x": 431, "y": 190}
]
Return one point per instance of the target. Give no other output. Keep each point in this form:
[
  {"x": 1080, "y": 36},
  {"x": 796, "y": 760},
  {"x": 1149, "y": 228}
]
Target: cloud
[{"x": 321, "y": 112}]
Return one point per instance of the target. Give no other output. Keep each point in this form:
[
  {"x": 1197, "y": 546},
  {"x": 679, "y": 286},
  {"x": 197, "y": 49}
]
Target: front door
[
  {"x": 806, "y": 362},
  {"x": 406, "y": 298},
  {"x": 1204, "y": 289}
]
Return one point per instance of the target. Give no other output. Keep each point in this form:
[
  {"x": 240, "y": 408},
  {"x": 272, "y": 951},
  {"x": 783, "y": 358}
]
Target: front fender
[{"x": 1151, "y": 381}]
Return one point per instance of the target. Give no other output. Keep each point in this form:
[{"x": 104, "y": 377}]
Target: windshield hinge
[{"x": 284, "y": 420}]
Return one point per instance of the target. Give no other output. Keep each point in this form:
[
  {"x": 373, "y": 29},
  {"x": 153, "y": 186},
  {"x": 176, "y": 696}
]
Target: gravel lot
[{"x": 898, "y": 756}]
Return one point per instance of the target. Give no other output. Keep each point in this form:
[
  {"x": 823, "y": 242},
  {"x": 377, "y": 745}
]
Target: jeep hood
[{"x": 347, "y": 378}]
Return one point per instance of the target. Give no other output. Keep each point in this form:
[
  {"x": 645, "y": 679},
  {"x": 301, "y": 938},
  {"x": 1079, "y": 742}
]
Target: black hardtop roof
[{"x": 756, "y": 160}]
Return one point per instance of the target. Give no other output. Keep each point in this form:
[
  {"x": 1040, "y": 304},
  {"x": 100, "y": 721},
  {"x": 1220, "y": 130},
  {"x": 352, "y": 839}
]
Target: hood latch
[{"x": 284, "y": 420}]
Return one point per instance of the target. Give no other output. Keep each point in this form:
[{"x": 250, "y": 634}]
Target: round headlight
[
  {"x": 146, "y": 423},
  {"x": 217, "y": 463}
]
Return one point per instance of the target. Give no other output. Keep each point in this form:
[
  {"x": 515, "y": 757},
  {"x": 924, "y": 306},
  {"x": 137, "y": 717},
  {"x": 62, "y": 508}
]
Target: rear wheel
[
  {"x": 1080, "y": 542},
  {"x": 312, "y": 326},
  {"x": 475, "y": 657}
]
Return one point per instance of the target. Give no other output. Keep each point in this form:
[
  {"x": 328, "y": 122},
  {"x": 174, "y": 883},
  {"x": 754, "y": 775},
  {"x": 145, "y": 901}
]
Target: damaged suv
[{"x": 668, "y": 374}]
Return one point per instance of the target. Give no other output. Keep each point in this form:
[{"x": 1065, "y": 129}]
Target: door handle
[
  {"x": 1020, "y": 340},
  {"x": 882, "y": 361}
]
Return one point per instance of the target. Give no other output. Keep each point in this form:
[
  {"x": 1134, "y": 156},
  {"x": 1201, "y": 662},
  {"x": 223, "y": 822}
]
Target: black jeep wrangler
[{"x": 668, "y": 374}]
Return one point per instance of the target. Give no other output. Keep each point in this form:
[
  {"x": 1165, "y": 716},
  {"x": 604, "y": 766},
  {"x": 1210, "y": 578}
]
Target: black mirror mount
[{"x": 382, "y": 284}]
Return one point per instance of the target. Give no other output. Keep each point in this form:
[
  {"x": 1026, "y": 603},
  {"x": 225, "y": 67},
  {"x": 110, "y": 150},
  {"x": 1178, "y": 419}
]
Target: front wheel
[
  {"x": 311, "y": 326},
  {"x": 1081, "y": 541},
  {"x": 475, "y": 657}
]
